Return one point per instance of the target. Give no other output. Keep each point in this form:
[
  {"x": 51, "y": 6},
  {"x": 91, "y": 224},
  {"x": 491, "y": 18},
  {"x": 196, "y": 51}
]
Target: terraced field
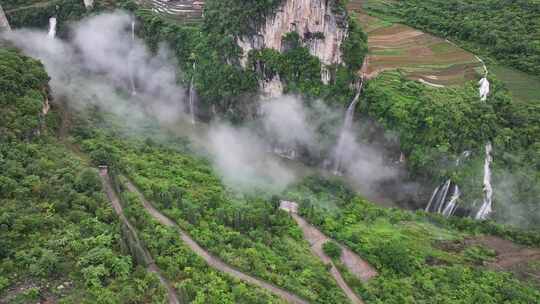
[
  {"x": 419, "y": 55},
  {"x": 185, "y": 11}
]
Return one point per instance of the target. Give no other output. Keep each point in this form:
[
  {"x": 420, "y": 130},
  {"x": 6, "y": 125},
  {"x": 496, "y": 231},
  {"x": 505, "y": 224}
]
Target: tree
[{"x": 332, "y": 249}]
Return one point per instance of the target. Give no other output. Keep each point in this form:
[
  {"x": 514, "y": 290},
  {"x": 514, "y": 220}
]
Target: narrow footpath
[
  {"x": 213, "y": 261},
  {"x": 152, "y": 267},
  {"x": 356, "y": 265}
]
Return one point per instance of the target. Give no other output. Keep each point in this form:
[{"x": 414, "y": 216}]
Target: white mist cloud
[
  {"x": 243, "y": 159},
  {"x": 286, "y": 119},
  {"x": 101, "y": 62}
]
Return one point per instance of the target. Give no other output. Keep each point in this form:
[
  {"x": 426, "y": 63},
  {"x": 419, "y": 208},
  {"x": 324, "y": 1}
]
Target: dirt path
[
  {"x": 213, "y": 261},
  {"x": 152, "y": 267},
  {"x": 509, "y": 255},
  {"x": 353, "y": 263}
]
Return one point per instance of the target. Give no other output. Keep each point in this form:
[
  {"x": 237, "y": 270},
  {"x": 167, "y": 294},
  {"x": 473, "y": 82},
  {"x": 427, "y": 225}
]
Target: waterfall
[
  {"x": 52, "y": 27},
  {"x": 452, "y": 204},
  {"x": 484, "y": 88},
  {"x": 485, "y": 210},
  {"x": 131, "y": 67},
  {"x": 344, "y": 136},
  {"x": 441, "y": 202},
  {"x": 4, "y": 24},
  {"x": 88, "y": 3},
  {"x": 192, "y": 96},
  {"x": 484, "y": 82}
]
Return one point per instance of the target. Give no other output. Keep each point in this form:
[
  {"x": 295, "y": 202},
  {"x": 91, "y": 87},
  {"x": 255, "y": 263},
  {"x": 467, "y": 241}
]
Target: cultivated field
[{"x": 418, "y": 55}]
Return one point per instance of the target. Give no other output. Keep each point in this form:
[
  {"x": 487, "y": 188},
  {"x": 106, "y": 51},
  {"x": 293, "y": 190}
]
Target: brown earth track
[
  {"x": 508, "y": 253},
  {"x": 117, "y": 206},
  {"x": 352, "y": 262},
  {"x": 211, "y": 260}
]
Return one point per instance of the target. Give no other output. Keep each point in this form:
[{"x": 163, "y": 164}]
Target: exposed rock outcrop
[
  {"x": 4, "y": 24},
  {"x": 319, "y": 25}
]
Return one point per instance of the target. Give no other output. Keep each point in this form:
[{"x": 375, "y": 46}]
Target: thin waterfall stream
[
  {"x": 486, "y": 208},
  {"x": 131, "y": 65},
  {"x": 52, "y": 27},
  {"x": 192, "y": 97},
  {"x": 345, "y": 134}
]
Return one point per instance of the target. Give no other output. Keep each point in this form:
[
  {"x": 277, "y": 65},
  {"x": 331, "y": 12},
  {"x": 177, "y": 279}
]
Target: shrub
[{"x": 332, "y": 249}]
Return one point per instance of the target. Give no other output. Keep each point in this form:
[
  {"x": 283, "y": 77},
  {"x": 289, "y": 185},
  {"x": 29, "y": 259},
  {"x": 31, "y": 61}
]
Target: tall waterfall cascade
[
  {"x": 345, "y": 134},
  {"x": 444, "y": 199},
  {"x": 131, "y": 65},
  {"x": 486, "y": 208},
  {"x": 192, "y": 97},
  {"x": 52, "y": 27},
  {"x": 4, "y": 23},
  {"x": 446, "y": 205}
]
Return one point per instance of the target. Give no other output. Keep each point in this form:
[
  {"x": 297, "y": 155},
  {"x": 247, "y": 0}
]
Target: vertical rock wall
[
  {"x": 4, "y": 24},
  {"x": 320, "y": 28}
]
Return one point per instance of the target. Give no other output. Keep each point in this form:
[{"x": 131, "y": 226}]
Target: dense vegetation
[
  {"x": 507, "y": 30},
  {"x": 55, "y": 224},
  {"x": 436, "y": 126},
  {"x": 248, "y": 232},
  {"x": 409, "y": 251},
  {"x": 36, "y": 14},
  {"x": 195, "y": 280},
  {"x": 23, "y": 90}
]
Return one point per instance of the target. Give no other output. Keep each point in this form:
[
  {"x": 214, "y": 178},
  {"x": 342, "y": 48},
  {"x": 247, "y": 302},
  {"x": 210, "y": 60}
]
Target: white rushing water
[
  {"x": 345, "y": 131},
  {"x": 484, "y": 88},
  {"x": 131, "y": 66},
  {"x": 486, "y": 208},
  {"x": 484, "y": 82},
  {"x": 452, "y": 204},
  {"x": 4, "y": 23},
  {"x": 192, "y": 97},
  {"x": 441, "y": 202},
  {"x": 88, "y": 3},
  {"x": 52, "y": 27}
]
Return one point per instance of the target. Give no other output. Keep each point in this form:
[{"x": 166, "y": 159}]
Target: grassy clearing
[{"x": 523, "y": 87}]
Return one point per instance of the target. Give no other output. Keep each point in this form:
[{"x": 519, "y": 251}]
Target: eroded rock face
[
  {"x": 314, "y": 20},
  {"x": 321, "y": 29},
  {"x": 4, "y": 24}
]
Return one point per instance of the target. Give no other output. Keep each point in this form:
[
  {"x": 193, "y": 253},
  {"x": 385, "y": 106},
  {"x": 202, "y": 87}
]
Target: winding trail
[
  {"x": 152, "y": 267},
  {"x": 354, "y": 264},
  {"x": 213, "y": 261}
]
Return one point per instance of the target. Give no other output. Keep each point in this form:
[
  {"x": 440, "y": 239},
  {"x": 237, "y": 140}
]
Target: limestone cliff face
[
  {"x": 321, "y": 29},
  {"x": 4, "y": 24}
]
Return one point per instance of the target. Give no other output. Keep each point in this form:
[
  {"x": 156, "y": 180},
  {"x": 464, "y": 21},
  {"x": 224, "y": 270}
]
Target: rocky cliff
[
  {"x": 4, "y": 24},
  {"x": 317, "y": 22}
]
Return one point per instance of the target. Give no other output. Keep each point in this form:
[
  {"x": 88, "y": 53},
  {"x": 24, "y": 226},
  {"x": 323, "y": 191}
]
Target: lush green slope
[
  {"x": 246, "y": 231},
  {"x": 420, "y": 259},
  {"x": 436, "y": 125},
  {"x": 57, "y": 226},
  {"x": 507, "y": 30},
  {"x": 55, "y": 223}
]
